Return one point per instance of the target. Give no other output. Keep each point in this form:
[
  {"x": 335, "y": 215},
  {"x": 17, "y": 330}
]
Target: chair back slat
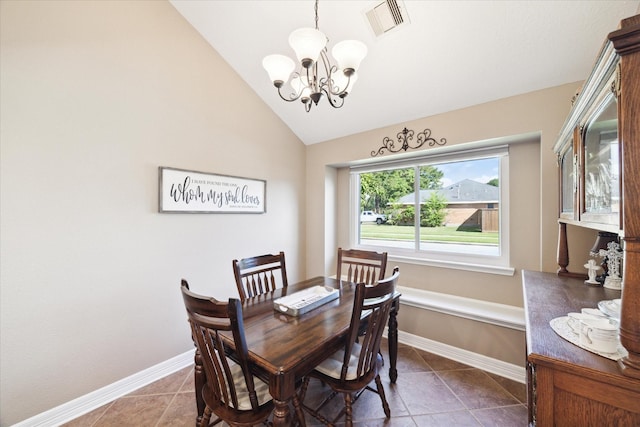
[
  {"x": 208, "y": 319},
  {"x": 259, "y": 282},
  {"x": 215, "y": 367},
  {"x": 256, "y": 275},
  {"x": 361, "y": 266}
]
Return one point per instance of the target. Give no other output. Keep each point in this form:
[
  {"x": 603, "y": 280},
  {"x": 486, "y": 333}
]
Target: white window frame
[{"x": 499, "y": 264}]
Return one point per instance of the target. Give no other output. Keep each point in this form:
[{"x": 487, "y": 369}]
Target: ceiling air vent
[{"x": 386, "y": 16}]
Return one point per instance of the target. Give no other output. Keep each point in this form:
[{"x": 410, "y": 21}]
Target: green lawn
[{"x": 427, "y": 234}]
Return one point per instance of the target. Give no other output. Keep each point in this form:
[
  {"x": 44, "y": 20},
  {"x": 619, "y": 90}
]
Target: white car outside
[{"x": 370, "y": 216}]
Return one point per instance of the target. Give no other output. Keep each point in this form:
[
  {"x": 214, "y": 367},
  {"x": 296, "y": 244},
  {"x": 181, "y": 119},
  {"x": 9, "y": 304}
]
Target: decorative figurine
[
  {"x": 614, "y": 259},
  {"x": 592, "y": 268},
  {"x": 603, "y": 239}
]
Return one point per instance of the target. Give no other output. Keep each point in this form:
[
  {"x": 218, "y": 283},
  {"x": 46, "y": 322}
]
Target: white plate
[{"x": 561, "y": 327}]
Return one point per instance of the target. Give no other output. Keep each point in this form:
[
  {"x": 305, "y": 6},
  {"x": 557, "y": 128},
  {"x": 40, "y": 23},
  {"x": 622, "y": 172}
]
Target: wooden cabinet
[
  {"x": 599, "y": 179},
  {"x": 567, "y": 385},
  {"x": 588, "y": 150},
  {"x": 599, "y": 170}
]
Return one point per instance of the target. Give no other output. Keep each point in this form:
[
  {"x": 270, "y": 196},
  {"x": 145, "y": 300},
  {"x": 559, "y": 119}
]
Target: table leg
[
  {"x": 281, "y": 414},
  {"x": 393, "y": 340},
  {"x": 282, "y": 388},
  {"x": 199, "y": 379}
]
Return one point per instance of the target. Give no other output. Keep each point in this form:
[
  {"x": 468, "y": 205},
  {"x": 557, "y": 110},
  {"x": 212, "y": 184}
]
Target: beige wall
[
  {"x": 94, "y": 97},
  {"x": 533, "y": 204}
]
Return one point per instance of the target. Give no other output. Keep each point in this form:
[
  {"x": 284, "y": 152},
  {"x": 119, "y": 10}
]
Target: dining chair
[
  {"x": 355, "y": 265},
  {"x": 350, "y": 370},
  {"x": 361, "y": 266},
  {"x": 230, "y": 391},
  {"x": 256, "y": 275}
]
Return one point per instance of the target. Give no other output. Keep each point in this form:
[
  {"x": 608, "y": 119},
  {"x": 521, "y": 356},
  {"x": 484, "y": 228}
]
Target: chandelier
[{"x": 307, "y": 84}]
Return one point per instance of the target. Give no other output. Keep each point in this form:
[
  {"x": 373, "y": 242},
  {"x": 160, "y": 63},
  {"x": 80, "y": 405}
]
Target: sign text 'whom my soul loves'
[{"x": 190, "y": 191}]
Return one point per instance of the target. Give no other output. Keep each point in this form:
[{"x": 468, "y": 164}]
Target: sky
[{"x": 482, "y": 170}]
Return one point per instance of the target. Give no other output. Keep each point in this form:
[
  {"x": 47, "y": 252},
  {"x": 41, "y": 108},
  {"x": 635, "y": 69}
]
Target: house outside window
[{"x": 461, "y": 201}]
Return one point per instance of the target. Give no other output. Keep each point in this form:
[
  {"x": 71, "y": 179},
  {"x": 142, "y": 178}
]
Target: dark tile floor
[{"x": 430, "y": 391}]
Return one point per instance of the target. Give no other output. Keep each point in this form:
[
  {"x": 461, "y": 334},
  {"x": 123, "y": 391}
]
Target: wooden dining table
[{"x": 284, "y": 348}]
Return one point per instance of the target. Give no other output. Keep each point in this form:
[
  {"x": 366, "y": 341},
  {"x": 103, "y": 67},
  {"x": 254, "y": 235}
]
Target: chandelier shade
[
  {"x": 307, "y": 44},
  {"x": 349, "y": 54},
  {"x": 279, "y": 68},
  {"x": 316, "y": 77}
]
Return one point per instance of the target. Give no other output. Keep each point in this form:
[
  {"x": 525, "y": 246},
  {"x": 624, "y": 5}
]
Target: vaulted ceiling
[{"x": 450, "y": 55}]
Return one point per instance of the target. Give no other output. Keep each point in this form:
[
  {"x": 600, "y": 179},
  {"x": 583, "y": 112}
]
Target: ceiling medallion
[{"x": 405, "y": 137}]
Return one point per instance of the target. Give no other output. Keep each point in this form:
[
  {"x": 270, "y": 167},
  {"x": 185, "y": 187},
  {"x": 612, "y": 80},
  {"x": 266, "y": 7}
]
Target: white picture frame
[{"x": 187, "y": 191}]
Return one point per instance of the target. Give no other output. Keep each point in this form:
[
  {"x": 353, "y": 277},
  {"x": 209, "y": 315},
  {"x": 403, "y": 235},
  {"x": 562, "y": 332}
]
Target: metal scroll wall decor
[{"x": 405, "y": 141}]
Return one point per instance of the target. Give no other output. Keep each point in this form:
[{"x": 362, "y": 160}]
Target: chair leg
[
  {"x": 348, "y": 410},
  {"x": 303, "y": 389},
  {"x": 385, "y": 405},
  {"x": 206, "y": 417},
  {"x": 314, "y": 412},
  {"x": 299, "y": 411}
]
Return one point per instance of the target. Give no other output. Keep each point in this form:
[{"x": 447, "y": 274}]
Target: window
[{"x": 446, "y": 210}]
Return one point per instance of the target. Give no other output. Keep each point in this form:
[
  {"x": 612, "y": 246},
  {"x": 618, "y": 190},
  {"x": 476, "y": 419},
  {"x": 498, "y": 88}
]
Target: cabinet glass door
[
  {"x": 568, "y": 182},
  {"x": 602, "y": 166}
]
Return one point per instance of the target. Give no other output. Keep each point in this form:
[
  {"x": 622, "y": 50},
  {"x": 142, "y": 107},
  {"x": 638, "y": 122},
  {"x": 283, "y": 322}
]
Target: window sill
[
  {"x": 482, "y": 311},
  {"x": 456, "y": 265}
]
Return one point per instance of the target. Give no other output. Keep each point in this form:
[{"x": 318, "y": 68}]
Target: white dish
[
  {"x": 594, "y": 312},
  {"x": 575, "y": 318},
  {"x": 303, "y": 301},
  {"x": 561, "y": 327},
  {"x": 610, "y": 307}
]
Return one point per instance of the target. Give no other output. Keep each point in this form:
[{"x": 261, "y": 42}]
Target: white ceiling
[{"x": 453, "y": 54}]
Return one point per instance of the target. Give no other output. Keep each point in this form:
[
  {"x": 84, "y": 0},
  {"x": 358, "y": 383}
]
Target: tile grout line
[
  {"x": 175, "y": 396},
  {"x": 464, "y": 405},
  {"x": 503, "y": 389},
  {"x": 472, "y": 411},
  {"x": 106, "y": 409},
  {"x": 166, "y": 409}
]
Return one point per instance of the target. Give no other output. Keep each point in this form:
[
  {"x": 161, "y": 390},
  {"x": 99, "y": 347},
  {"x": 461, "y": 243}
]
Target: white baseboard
[
  {"x": 489, "y": 364},
  {"x": 94, "y": 400}
]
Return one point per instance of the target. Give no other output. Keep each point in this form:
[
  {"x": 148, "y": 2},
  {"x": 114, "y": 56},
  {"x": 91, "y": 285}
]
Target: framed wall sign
[{"x": 184, "y": 191}]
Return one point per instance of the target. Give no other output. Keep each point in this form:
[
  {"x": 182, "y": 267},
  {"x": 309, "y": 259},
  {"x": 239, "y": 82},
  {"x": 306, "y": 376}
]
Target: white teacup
[
  {"x": 594, "y": 312},
  {"x": 599, "y": 335},
  {"x": 575, "y": 318}
]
